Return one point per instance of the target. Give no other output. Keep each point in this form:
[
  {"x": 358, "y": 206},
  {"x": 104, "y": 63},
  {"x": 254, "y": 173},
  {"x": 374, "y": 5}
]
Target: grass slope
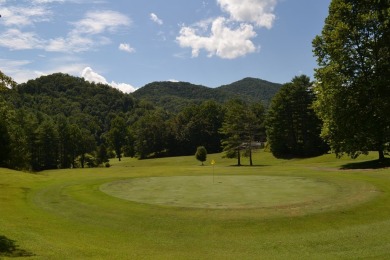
[{"x": 64, "y": 214}]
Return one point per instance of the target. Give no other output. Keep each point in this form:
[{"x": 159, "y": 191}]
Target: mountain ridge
[{"x": 168, "y": 94}]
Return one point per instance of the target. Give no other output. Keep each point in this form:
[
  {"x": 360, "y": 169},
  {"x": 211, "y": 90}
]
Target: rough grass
[{"x": 64, "y": 214}]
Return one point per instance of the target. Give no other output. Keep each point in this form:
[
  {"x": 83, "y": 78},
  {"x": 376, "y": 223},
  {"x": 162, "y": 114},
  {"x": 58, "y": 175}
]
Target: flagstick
[
  {"x": 213, "y": 163},
  {"x": 213, "y": 173}
]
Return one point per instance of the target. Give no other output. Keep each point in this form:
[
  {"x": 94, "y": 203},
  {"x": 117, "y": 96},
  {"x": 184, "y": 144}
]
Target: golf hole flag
[{"x": 212, "y": 162}]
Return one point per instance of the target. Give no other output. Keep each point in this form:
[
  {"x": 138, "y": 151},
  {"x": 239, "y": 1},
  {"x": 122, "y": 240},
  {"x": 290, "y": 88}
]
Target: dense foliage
[
  {"x": 353, "y": 78},
  {"x": 293, "y": 129}
]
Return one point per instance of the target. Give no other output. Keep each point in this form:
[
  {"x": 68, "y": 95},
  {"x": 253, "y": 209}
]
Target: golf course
[{"x": 173, "y": 208}]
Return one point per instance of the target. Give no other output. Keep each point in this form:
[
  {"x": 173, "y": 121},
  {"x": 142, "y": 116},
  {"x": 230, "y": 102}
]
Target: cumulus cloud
[
  {"x": 91, "y": 76},
  {"x": 126, "y": 48},
  {"x": 259, "y": 12},
  {"x": 223, "y": 41},
  {"x": 155, "y": 19},
  {"x": 229, "y": 37}
]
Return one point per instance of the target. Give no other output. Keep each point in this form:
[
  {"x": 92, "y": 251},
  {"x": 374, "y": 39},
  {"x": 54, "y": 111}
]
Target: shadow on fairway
[
  {"x": 248, "y": 166},
  {"x": 375, "y": 164},
  {"x": 9, "y": 248}
]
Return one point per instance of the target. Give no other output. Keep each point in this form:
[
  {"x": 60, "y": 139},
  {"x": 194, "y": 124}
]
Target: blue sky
[{"x": 128, "y": 44}]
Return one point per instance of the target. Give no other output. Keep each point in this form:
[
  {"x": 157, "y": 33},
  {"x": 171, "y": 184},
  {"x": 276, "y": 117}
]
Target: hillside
[
  {"x": 75, "y": 98},
  {"x": 252, "y": 89},
  {"x": 175, "y": 95}
]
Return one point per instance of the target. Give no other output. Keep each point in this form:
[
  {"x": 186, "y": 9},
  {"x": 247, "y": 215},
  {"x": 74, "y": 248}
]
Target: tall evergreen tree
[{"x": 293, "y": 129}]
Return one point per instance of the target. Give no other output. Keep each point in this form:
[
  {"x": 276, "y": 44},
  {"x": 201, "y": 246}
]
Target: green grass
[{"x": 302, "y": 209}]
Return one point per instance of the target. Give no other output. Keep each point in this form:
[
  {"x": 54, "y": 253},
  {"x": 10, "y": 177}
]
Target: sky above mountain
[{"x": 128, "y": 44}]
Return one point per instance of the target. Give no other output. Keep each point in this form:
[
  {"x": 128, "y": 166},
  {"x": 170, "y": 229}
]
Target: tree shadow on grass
[
  {"x": 248, "y": 166},
  {"x": 9, "y": 248},
  {"x": 375, "y": 164}
]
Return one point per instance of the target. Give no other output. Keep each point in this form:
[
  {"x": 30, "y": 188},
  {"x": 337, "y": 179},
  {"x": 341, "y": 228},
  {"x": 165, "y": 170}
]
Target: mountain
[
  {"x": 175, "y": 95},
  {"x": 92, "y": 104},
  {"x": 252, "y": 89}
]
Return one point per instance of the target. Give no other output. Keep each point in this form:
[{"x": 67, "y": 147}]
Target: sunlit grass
[{"x": 64, "y": 214}]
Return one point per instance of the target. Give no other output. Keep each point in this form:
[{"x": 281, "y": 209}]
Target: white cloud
[
  {"x": 16, "y": 70},
  {"x": 229, "y": 37},
  {"x": 47, "y": 1},
  {"x": 21, "y": 72},
  {"x": 14, "y": 39},
  {"x": 125, "y": 88},
  {"x": 126, "y": 48},
  {"x": 97, "y": 22},
  {"x": 223, "y": 41},
  {"x": 85, "y": 34},
  {"x": 259, "y": 12},
  {"x": 72, "y": 43},
  {"x": 155, "y": 19},
  {"x": 24, "y": 16},
  {"x": 91, "y": 76},
  {"x": 173, "y": 80}
]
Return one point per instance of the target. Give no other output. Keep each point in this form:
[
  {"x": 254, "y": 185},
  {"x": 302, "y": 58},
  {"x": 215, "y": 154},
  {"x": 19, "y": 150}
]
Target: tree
[
  {"x": 353, "y": 82},
  {"x": 47, "y": 146},
  {"x": 5, "y": 143},
  {"x": 293, "y": 129},
  {"x": 201, "y": 154},
  {"x": 102, "y": 155},
  {"x": 85, "y": 145},
  {"x": 151, "y": 134},
  {"x": 117, "y": 135},
  {"x": 241, "y": 126},
  {"x": 197, "y": 125},
  {"x": 6, "y": 81}
]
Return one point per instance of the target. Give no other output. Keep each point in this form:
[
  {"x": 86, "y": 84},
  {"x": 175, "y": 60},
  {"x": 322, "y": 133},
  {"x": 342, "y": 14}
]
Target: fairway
[
  {"x": 226, "y": 192},
  {"x": 172, "y": 208}
]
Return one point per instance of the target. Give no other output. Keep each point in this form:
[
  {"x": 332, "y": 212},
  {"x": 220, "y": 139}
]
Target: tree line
[{"x": 60, "y": 121}]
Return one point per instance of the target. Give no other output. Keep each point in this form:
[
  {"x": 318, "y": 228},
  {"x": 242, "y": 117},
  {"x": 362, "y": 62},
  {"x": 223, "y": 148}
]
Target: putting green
[{"x": 230, "y": 192}]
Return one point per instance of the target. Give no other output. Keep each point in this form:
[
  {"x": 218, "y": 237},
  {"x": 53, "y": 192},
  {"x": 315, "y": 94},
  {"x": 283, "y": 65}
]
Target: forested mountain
[
  {"x": 252, "y": 89},
  {"x": 84, "y": 102},
  {"x": 174, "y": 96}
]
